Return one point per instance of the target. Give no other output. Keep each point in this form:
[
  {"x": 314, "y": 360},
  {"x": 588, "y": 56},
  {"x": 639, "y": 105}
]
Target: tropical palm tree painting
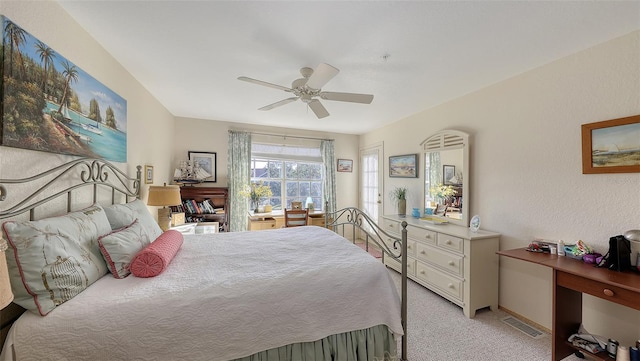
[{"x": 50, "y": 104}]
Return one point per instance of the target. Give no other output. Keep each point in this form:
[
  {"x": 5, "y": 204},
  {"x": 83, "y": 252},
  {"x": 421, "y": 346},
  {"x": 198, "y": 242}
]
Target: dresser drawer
[
  {"x": 447, "y": 284},
  {"x": 442, "y": 259},
  {"x": 396, "y": 265},
  {"x": 598, "y": 289},
  {"x": 422, "y": 234},
  {"x": 450, "y": 242},
  {"x": 391, "y": 226}
]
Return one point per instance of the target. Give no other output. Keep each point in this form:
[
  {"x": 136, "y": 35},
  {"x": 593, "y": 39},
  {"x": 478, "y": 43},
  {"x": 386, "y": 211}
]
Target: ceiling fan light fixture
[{"x": 306, "y": 98}]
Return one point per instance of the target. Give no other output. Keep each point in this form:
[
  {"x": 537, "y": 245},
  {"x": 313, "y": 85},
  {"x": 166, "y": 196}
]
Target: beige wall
[
  {"x": 149, "y": 124},
  {"x": 526, "y": 175},
  {"x": 212, "y": 136}
]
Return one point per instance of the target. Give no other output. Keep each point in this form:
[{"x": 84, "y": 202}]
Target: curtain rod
[{"x": 289, "y": 136}]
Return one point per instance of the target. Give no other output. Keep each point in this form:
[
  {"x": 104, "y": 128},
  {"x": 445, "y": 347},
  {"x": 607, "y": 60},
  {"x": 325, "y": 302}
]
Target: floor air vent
[{"x": 523, "y": 327}]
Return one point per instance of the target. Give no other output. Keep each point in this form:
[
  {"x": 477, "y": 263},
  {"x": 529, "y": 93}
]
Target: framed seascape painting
[
  {"x": 207, "y": 161},
  {"x": 50, "y": 104},
  {"x": 403, "y": 166},
  {"x": 345, "y": 165},
  {"x": 611, "y": 146}
]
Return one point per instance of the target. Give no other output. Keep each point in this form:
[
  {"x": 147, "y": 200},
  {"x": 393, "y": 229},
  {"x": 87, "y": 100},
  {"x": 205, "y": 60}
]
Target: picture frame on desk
[
  {"x": 611, "y": 146},
  {"x": 448, "y": 173},
  {"x": 208, "y": 162}
]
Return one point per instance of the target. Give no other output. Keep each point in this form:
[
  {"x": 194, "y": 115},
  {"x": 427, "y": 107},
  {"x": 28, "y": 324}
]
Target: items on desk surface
[{"x": 618, "y": 258}]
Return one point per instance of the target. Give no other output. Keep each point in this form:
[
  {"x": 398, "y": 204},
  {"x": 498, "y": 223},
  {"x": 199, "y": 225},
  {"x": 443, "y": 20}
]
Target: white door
[{"x": 371, "y": 167}]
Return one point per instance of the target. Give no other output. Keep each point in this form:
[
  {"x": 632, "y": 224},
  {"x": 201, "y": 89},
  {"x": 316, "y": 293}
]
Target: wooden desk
[
  {"x": 572, "y": 278},
  {"x": 275, "y": 219}
]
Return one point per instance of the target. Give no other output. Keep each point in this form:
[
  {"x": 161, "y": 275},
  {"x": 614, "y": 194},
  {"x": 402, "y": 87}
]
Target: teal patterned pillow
[
  {"x": 122, "y": 215},
  {"x": 119, "y": 247},
  {"x": 53, "y": 259}
]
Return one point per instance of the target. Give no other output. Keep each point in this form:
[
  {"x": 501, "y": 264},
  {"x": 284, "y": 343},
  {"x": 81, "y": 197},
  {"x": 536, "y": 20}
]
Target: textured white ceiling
[{"x": 188, "y": 54}]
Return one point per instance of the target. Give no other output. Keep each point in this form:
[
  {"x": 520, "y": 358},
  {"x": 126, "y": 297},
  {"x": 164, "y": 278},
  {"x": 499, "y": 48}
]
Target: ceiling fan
[{"x": 309, "y": 88}]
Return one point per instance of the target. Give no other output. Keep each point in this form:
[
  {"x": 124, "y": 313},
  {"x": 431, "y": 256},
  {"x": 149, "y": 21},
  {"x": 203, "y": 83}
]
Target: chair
[{"x": 296, "y": 217}]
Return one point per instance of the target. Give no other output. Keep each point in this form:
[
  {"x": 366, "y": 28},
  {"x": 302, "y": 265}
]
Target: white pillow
[
  {"x": 122, "y": 215},
  {"x": 53, "y": 259},
  {"x": 119, "y": 247}
]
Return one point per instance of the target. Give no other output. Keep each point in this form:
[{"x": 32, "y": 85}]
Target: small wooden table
[{"x": 572, "y": 278}]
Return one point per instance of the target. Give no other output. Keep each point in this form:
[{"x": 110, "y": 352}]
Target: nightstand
[{"x": 187, "y": 228}]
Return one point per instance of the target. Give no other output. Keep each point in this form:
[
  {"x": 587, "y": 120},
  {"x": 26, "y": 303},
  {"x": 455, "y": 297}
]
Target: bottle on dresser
[{"x": 561, "y": 251}]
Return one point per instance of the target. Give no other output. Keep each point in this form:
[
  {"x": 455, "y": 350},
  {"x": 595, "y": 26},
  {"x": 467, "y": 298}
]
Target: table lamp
[
  {"x": 6, "y": 296},
  {"x": 164, "y": 196}
]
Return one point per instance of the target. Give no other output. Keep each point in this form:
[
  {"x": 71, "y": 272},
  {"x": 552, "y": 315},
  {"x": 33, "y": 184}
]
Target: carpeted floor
[{"x": 439, "y": 331}]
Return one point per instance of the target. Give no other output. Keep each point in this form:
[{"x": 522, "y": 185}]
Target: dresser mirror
[{"x": 446, "y": 176}]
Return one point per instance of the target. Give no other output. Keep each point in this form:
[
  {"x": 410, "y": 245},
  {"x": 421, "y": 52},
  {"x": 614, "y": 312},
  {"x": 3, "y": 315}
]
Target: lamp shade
[
  {"x": 167, "y": 195},
  {"x": 6, "y": 296}
]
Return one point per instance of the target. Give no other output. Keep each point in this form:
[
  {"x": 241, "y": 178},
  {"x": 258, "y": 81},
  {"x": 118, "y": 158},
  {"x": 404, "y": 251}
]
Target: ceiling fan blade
[
  {"x": 264, "y": 83},
  {"x": 318, "y": 109},
  {"x": 321, "y": 76},
  {"x": 347, "y": 97},
  {"x": 280, "y": 103}
]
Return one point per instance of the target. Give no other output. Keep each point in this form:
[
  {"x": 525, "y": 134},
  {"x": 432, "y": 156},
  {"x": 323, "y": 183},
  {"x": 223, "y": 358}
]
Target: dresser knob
[
  {"x": 451, "y": 285},
  {"x": 451, "y": 263},
  {"x": 608, "y": 292},
  {"x": 427, "y": 236},
  {"x": 448, "y": 242},
  {"x": 423, "y": 252},
  {"x": 422, "y": 272}
]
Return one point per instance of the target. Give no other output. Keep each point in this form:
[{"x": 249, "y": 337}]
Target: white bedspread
[{"x": 224, "y": 296}]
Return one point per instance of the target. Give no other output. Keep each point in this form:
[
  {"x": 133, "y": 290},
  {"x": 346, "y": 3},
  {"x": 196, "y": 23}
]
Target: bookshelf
[{"x": 214, "y": 198}]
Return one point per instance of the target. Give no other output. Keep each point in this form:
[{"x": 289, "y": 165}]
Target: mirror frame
[{"x": 450, "y": 139}]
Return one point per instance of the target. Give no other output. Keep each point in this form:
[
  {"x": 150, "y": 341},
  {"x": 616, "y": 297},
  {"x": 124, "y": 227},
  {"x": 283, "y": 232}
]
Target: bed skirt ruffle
[{"x": 372, "y": 344}]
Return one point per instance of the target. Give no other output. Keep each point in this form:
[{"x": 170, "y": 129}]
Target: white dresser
[{"x": 450, "y": 260}]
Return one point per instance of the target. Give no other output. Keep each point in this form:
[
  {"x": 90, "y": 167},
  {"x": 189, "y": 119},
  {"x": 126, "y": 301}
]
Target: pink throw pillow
[{"x": 155, "y": 258}]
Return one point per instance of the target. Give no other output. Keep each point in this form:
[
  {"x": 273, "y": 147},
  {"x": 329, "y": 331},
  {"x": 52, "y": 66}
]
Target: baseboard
[{"x": 525, "y": 320}]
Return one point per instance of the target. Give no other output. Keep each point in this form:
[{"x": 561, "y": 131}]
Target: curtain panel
[
  {"x": 329, "y": 160},
  {"x": 239, "y": 170}
]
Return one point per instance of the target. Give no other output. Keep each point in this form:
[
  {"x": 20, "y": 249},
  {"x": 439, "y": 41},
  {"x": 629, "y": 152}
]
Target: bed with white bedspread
[{"x": 292, "y": 293}]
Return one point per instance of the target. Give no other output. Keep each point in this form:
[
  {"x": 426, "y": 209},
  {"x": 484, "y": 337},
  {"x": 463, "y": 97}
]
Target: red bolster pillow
[{"x": 155, "y": 258}]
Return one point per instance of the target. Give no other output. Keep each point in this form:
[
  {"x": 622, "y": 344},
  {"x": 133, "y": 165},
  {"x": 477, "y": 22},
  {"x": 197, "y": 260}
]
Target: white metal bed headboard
[{"x": 96, "y": 173}]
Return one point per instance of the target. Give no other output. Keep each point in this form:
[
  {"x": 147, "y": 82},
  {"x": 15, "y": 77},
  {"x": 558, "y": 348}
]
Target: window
[{"x": 294, "y": 173}]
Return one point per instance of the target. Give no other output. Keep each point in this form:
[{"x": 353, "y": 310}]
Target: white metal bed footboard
[{"x": 362, "y": 225}]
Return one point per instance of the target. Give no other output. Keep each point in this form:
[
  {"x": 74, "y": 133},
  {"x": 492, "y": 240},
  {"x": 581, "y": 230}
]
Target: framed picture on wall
[
  {"x": 403, "y": 166},
  {"x": 51, "y": 118},
  {"x": 611, "y": 146},
  {"x": 345, "y": 165},
  {"x": 207, "y": 161},
  {"x": 148, "y": 174}
]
